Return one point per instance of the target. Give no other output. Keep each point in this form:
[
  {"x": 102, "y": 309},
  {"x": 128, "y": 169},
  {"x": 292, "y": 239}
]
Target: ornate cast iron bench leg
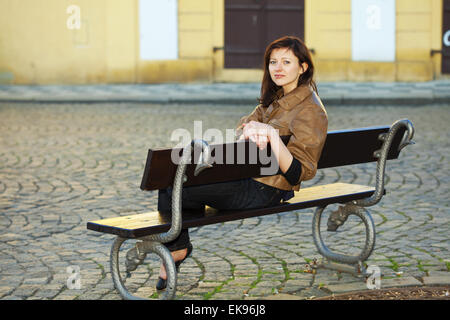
[
  {"x": 155, "y": 243},
  {"x": 369, "y": 245},
  {"x": 338, "y": 217},
  {"x": 147, "y": 246}
]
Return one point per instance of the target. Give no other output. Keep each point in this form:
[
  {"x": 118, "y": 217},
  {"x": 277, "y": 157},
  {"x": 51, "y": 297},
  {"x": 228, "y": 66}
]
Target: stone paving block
[
  {"x": 199, "y": 292},
  {"x": 208, "y": 284},
  {"x": 227, "y": 295},
  {"x": 64, "y": 297},
  {"x": 283, "y": 296},
  {"x": 259, "y": 291},
  {"x": 437, "y": 278},
  {"x": 346, "y": 287},
  {"x": 273, "y": 276},
  {"x": 400, "y": 282},
  {"x": 12, "y": 298},
  {"x": 241, "y": 282},
  {"x": 47, "y": 293},
  {"x": 311, "y": 293},
  {"x": 39, "y": 281},
  {"x": 294, "y": 286},
  {"x": 4, "y": 291}
]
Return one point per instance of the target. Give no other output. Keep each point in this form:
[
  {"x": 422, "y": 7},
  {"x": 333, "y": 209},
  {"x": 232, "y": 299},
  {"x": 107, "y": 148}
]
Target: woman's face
[{"x": 285, "y": 68}]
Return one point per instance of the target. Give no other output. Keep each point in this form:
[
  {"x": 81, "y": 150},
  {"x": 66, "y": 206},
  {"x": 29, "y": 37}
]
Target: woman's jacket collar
[{"x": 293, "y": 98}]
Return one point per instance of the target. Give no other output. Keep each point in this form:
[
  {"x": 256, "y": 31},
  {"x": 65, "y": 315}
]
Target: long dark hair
[{"x": 268, "y": 87}]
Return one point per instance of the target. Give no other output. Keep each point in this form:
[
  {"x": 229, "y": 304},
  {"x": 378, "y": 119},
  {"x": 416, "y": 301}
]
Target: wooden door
[{"x": 250, "y": 25}]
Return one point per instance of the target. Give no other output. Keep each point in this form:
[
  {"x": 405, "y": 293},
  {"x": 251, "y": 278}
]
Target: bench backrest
[{"x": 344, "y": 147}]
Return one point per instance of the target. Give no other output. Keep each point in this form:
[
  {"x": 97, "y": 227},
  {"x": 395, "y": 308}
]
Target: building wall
[
  {"x": 418, "y": 31},
  {"x": 37, "y": 47}
]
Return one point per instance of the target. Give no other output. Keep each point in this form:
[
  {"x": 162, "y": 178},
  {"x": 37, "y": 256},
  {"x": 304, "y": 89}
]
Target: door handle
[{"x": 434, "y": 51}]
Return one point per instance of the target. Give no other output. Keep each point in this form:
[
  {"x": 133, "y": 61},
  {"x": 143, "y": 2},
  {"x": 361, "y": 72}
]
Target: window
[
  {"x": 373, "y": 30},
  {"x": 158, "y": 29}
]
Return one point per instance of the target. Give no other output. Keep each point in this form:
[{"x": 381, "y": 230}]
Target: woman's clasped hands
[{"x": 260, "y": 133}]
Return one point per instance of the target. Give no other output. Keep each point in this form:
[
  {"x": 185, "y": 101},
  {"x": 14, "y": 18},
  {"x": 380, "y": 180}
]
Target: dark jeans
[{"x": 238, "y": 194}]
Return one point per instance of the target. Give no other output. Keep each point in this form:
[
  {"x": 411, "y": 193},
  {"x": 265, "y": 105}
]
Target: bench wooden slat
[
  {"x": 139, "y": 225},
  {"x": 344, "y": 147},
  {"x": 329, "y": 190},
  {"x": 150, "y": 218}
]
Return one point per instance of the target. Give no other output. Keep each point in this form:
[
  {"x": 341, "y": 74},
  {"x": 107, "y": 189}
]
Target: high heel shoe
[{"x": 162, "y": 283}]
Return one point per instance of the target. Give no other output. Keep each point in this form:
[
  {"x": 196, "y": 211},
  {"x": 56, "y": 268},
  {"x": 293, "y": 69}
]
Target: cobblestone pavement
[{"x": 62, "y": 165}]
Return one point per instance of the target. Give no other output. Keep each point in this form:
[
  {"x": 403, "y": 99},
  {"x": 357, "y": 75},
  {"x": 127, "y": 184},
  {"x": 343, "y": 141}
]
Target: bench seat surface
[{"x": 143, "y": 224}]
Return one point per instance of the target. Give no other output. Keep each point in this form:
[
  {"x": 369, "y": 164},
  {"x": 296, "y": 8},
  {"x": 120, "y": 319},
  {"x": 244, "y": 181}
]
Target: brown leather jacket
[{"x": 301, "y": 115}]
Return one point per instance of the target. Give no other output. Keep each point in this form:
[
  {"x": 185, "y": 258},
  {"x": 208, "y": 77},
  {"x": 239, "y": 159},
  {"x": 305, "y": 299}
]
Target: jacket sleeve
[
  {"x": 309, "y": 131},
  {"x": 256, "y": 115}
]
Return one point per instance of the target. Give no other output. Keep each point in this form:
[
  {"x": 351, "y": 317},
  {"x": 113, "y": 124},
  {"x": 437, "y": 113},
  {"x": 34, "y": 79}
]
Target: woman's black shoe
[{"x": 162, "y": 283}]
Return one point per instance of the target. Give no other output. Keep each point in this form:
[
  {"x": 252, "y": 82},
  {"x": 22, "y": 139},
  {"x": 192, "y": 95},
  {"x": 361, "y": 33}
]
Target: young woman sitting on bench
[{"x": 289, "y": 105}]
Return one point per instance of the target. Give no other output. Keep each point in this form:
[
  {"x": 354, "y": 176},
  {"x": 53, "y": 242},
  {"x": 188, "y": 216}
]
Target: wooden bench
[{"x": 342, "y": 148}]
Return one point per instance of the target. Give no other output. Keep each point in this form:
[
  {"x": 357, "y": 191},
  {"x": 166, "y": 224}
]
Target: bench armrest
[
  {"x": 382, "y": 155},
  {"x": 180, "y": 178}
]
